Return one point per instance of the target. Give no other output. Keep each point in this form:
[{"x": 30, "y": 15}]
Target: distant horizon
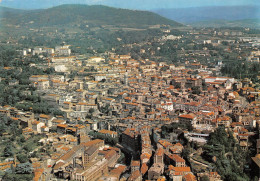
[
  {"x": 4, "y": 6},
  {"x": 130, "y": 4}
]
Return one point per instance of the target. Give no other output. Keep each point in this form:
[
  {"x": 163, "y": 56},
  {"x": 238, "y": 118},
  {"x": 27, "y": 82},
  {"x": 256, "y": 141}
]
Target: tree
[
  {"x": 8, "y": 151},
  {"x": 28, "y": 147},
  {"x": 186, "y": 152},
  {"x": 91, "y": 110},
  {"x": 35, "y": 154},
  {"x": 196, "y": 90},
  {"x": 122, "y": 157},
  {"x": 163, "y": 69},
  {"x": 204, "y": 178},
  {"x": 22, "y": 158},
  {"x": 22, "y": 139},
  {"x": 24, "y": 168},
  {"x": 230, "y": 159}
]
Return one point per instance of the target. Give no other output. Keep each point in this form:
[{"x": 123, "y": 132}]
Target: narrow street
[{"x": 198, "y": 162}]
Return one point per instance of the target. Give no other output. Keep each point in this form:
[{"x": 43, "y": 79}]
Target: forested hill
[
  {"x": 9, "y": 12},
  {"x": 4, "y": 10},
  {"x": 67, "y": 15}
]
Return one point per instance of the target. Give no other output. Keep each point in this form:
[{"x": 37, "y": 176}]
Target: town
[{"x": 119, "y": 118}]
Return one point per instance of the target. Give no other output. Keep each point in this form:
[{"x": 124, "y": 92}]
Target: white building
[
  {"x": 37, "y": 50},
  {"x": 100, "y": 77},
  {"x": 96, "y": 59},
  {"x": 168, "y": 106},
  {"x": 63, "y": 50},
  {"x": 214, "y": 79},
  {"x": 37, "y": 126},
  {"x": 61, "y": 60},
  {"x": 48, "y": 50},
  {"x": 60, "y": 68}
]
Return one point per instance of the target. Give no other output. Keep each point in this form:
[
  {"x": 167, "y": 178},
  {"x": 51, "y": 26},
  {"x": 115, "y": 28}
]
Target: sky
[{"x": 128, "y": 4}]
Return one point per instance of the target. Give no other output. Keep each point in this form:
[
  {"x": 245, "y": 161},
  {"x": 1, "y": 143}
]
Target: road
[{"x": 198, "y": 162}]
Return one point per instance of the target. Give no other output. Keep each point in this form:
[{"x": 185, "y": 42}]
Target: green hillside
[
  {"x": 67, "y": 15},
  {"x": 4, "y": 10}
]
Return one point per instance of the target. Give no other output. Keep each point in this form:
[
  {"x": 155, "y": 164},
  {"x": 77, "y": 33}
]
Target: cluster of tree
[
  {"x": 108, "y": 139},
  {"x": 15, "y": 85},
  {"x": 223, "y": 151},
  {"x": 22, "y": 172},
  {"x": 17, "y": 146},
  {"x": 241, "y": 70},
  {"x": 169, "y": 128},
  {"x": 98, "y": 40},
  {"x": 41, "y": 107},
  {"x": 121, "y": 158},
  {"x": 21, "y": 157},
  {"x": 166, "y": 50},
  {"x": 10, "y": 126},
  {"x": 196, "y": 90},
  {"x": 105, "y": 109}
]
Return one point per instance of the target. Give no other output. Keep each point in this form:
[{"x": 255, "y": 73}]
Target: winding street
[{"x": 198, "y": 162}]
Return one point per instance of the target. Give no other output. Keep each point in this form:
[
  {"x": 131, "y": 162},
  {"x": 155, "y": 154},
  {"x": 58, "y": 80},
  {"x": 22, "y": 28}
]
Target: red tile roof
[
  {"x": 144, "y": 168},
  {"x": 135, "y": 164},
  {"x": 187, "y": 116}
]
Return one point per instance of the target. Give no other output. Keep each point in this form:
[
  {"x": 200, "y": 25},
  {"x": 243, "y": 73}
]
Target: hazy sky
[{"x": 130, "y": 4}]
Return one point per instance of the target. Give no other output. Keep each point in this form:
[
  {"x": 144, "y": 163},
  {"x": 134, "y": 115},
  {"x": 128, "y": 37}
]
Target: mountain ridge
[{"x": 76, "y": 13}]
